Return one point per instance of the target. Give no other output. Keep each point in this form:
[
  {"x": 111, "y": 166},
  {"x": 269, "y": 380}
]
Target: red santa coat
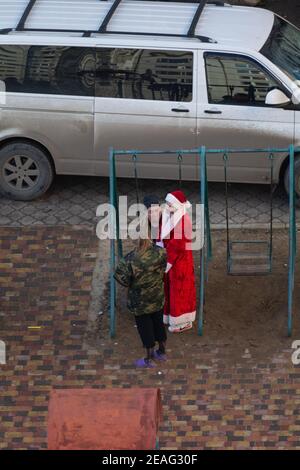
[{"x": 180, "y": 290}]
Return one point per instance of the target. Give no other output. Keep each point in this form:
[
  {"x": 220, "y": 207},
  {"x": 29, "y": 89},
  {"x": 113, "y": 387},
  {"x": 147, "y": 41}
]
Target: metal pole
[
  {"x": 225, "y": 158},
  {"x": 208, "y": 231},
  {"x": 203, "y": 183},
  {"x": 112, "y": 182},
  {"x": 116, "y": 205},
  {"x": 292, "y": 234}
]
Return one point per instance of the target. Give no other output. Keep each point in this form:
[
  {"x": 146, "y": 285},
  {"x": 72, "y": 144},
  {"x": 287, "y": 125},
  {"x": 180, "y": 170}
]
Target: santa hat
[
  {"x": 170, "y": 221},
  {"x": 177, "y": 199}
]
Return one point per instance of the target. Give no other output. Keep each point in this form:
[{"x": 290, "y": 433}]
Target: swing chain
[
  {"x": 179, "y": 158},
  {"x": 271, "y": 158},
  {"x": 134, "y": 159}
]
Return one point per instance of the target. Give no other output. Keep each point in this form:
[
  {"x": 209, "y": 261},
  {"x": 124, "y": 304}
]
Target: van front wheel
[
  {"x": 25, "y": 171},
  {"x": 286, "y": 180}
]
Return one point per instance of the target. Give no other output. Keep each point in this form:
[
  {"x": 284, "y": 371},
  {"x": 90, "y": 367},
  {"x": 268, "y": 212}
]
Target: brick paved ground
[{"x": 211, "y": 398}]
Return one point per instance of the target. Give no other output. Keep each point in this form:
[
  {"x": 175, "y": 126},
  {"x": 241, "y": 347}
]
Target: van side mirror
[{"x": 277, "y": 98}]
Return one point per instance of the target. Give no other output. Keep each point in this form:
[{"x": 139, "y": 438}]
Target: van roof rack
[{"x": 109, "y": 13}]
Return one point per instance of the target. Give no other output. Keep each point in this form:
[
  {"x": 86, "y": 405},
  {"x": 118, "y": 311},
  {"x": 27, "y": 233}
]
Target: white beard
[{"x": 170, "y": 220}]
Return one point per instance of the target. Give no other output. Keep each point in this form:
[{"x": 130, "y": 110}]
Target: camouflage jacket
[{"x": 143, "y": 274}]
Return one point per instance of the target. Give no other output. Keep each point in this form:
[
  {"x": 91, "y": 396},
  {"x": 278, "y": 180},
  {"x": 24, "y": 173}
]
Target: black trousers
[{"x": 151, "y": 328}]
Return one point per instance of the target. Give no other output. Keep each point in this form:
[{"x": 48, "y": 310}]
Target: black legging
[{"x": 151, "y": 329}]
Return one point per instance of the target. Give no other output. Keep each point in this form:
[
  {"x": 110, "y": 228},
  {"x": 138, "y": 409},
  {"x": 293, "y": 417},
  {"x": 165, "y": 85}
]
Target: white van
[{"x": 79, "y": 76}]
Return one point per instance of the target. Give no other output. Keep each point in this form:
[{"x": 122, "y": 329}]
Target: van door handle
[
  {"x": 212, "y": 111},
  {"x": 180, "y": 110}
]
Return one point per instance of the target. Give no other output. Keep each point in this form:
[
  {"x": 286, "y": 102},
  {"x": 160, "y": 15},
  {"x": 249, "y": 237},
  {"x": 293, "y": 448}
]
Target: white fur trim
[
  {"x": 172, "y": 200},
  {"x": 181, "y": 320},
  {"x": 175, "y": 202},
  {"x": 170, "y": 220}
]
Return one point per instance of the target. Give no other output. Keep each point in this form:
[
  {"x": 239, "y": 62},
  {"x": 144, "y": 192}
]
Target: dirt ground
[
  {"x": 250, "y": 312},
  {"x": 245, "y": 316}
]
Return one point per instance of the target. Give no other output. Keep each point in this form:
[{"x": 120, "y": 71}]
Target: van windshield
[{"x": 283, "y": 48}]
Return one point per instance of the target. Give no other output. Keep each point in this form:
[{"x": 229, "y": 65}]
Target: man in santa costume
[{"x": 180, "y": 290}]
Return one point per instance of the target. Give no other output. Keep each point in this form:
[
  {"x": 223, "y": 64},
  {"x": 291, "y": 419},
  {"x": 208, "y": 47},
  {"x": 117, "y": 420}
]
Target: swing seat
[{"x": 249, "y": 258}]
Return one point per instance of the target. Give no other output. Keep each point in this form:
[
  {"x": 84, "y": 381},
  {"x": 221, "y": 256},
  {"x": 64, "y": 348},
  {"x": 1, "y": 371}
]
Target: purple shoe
[
  {"x": 143, "y": 364},
  {"x": 158, "y": 356}
]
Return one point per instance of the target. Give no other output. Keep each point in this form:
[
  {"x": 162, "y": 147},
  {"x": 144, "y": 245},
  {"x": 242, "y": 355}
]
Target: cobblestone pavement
[
  {"x": 73, "y": 201},
  {"x": 208, "y": 402}
]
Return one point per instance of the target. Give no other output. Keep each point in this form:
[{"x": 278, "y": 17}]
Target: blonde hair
[{"x": 144, "y": 244}]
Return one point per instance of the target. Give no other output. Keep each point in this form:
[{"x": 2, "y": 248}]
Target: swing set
[{"x": 244, "y": 257}]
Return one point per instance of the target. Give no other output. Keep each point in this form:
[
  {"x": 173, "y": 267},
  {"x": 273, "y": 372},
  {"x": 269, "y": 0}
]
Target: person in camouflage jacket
[{"x": 142, "y": 271}]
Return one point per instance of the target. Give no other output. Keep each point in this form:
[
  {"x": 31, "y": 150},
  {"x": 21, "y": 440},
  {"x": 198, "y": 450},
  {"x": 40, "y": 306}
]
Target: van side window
[
  {"x": 234, "y": 80},
  {"x": 143, "y": 74},
  {"x": 48, "y": 69}
]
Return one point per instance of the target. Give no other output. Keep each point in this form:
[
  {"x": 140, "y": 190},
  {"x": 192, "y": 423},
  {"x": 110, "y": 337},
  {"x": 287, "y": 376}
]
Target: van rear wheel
[
  {"x": 286, "y": 180},
  {"x": 25, "y": 171}
]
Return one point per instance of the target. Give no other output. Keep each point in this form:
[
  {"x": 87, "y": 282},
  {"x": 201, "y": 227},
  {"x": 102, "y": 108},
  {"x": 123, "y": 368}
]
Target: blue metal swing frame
[{"x": 206, "y": 252}]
